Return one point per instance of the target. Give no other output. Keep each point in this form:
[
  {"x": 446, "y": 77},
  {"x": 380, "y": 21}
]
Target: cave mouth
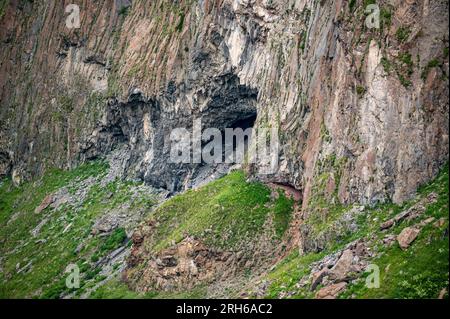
[
  {"x": 245, "y": 123},
  {"x": 227, "y": 105},
  {"x": 240, "y": 136},
  {"x": 230, "y": 149}
]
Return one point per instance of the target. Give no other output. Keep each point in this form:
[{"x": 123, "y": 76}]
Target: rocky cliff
[
  {"x": 361, "y": 111},
  {"x": 132, "y": 71}
]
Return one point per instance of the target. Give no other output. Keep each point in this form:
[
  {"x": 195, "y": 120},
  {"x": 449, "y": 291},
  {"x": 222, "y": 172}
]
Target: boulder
[
  {"x": 317, "y": 278},
  {"x": 343, "y": 266},
  {"x": 439, "y": 223},
  {"x": 401, "y": 216},
  {"x": 360, "y": 249},
  {"x": 331, "y": 291},
  {"x": 388, "y": 240},
  {"x": 407, "y": 236},
  {"x": 387, "y": 224},
  {"x": 45, "y": 203},
  {"x": 427, "y": 221}
]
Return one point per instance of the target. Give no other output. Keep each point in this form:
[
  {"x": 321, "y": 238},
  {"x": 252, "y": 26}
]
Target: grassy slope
[
  {"x": 419, "y": 272},
  {"x": 422, "y": 270},
  {"x": 223, "y": 213},
  {"x": 230, "y": 209},
  {"x": 50, "y": 258}
]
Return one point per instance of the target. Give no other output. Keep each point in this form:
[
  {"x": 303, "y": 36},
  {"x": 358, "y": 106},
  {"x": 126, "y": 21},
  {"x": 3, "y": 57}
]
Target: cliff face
[
  {"x": 362, "y": 118},
  {"x": 368, "y": 106}
]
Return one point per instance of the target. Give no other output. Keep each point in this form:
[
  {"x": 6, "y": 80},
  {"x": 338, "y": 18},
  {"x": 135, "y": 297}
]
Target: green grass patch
[
  {"x": 34, "y": 266},
  {"x": 431, "y": 64},
  {"x": 360, "y": 90},
  {"x": 282, "y": 213},
  {"x": 288, "y": 273},
  {"x": 223, "y": 213},
  {"x": 3, "y": 6},
  {"x": 387, "y": 65},
  {"x": 351, "y": 5},
  {"x": 115, "y": 289},
  {"x": 421, "y": 271},
  {"x": 402, "y": 34}
]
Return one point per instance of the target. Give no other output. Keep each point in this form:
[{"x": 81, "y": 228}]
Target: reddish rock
[
  {"x": 45, "y": 203},
  {"x": 331, "y": 292},
  {"x": 137, "y": 238},
  {"x": 407, "y": 236},
  {"x": 387, "y": 224},
  {"x": 330, "y": 187},
  {"x": 343, "y": 266},
  {"x": 317, "y": 278},
  {"x": 360, "y": 249}
]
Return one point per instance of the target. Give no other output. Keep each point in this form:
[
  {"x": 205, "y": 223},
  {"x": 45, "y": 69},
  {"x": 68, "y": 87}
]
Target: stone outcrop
[
  {"x": 407, "y": 236},
  {"x": 330, "y": 292},
  {"x": 335, "y": 271},
  {"x": 133, "y": 71},
  {"x": 362, "y": 113},
  {"x": 45, "y": 203},
  {"x": 411, "y": 213},
  {"x": 185, "y": 265}
]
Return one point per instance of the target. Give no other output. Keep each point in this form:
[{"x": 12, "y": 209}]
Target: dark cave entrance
[
  {"x": 244, "y": 124},
  {"x": 235, "y": 134}
]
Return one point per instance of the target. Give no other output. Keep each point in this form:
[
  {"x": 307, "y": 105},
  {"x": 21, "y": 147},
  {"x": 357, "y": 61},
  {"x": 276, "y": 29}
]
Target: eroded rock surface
[
  {"x": 121, "y": 80},
  {"x": 362, "y": 113}
]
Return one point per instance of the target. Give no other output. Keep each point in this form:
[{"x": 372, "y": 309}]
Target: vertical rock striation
[{"x": 368, "y": 105}]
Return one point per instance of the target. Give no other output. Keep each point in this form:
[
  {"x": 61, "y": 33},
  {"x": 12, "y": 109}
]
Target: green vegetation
[
  {"x": 330, "y": 169},
  {"x": 324, "y": 133},
  {"x": 351, "y": 5},
  {"x": 288, "y": 273},
  {"x": 17, "y": 218},
  {"x": 114, "y": 241},
  {"x": 115, "y": 289},
  {"x": 421, "y": 271},
  {"x": 406, "y": 59},
  {"x": 403, "y": 66},
  {"x": 431, "y": 64},
  {"x": 180, "y": 24},
  {"x": 360, "y": 90},
  {"x": 34, "y": 266},
  {"x": 369, "y": 2},
  {"x": 385, "y": 17},
  {"x": 402, "y": 34},
  {"x": 223, "y": 213},
  {"x": 3, "y": 6},
  {"x": 302, "y": 41},
  {"x": 124, "y": 10},
  {"x": 403, "y": 80},
  {"x": 387, "y": 65},
  {"x": 282, "y": 213}
]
